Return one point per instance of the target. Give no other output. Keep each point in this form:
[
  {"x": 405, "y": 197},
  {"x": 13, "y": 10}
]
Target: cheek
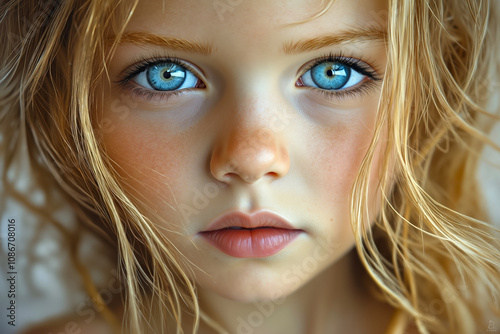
[
  {"x": 337, "y": 148},
  {"x": 339, "y": 137},
  {"x": 149, "y": 159},
  {"x": 338, "y": 152}
]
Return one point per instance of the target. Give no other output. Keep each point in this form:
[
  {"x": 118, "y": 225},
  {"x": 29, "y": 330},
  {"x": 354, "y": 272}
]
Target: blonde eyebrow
[
  {"x": 356, "y": 35},
  {"x": 142, "y": 38}
]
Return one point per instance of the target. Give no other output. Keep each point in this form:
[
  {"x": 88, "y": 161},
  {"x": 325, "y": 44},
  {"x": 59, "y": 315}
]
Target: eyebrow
[
  {"x": 355, "y": 35},
  {"x": 141, "y": 38},
  {"x": 359, "y": 34}
]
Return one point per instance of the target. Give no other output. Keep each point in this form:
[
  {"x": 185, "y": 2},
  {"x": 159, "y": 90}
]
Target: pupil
[
  {"x": 167, "y": 75},
  {"x": 329, "y": 73}
]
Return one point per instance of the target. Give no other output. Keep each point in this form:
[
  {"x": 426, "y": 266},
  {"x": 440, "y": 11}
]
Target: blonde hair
[
  {"x": 429, "y": 240},
  {"x": 442, "y": 263}
]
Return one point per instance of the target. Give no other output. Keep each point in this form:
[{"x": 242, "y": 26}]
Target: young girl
[{"x": 260, "y": 166}]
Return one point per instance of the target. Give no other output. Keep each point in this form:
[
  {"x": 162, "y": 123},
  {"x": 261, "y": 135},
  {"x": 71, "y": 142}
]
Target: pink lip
[{"x": 241, "y": 235}]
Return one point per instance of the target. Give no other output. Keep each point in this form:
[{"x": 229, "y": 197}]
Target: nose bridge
[{"x": 251, "y": 143}]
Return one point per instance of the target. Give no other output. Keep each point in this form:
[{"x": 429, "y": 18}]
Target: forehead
[{"x": 253, "y": 20}]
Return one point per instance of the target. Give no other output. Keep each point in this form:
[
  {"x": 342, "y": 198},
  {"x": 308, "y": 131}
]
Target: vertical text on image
[{"x": 11, "y": 272}]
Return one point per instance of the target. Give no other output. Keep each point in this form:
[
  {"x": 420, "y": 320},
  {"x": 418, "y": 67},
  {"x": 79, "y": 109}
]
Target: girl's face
[{"x": 219, "y": 106}]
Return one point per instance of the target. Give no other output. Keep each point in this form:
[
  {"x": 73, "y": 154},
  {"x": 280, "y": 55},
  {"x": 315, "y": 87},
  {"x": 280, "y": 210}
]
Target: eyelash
[
  {"x": 143, "y": 65},
  {"x": 357, "y": 65},
  {"x": 354, "y": 63}
]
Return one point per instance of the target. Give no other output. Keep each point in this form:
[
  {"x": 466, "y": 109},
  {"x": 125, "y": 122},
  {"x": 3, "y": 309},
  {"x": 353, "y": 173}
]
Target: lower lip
[{"x": 251, "y": 243}]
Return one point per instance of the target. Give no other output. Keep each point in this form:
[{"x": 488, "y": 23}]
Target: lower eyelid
[
  {"x": 155, "y": 96},
  {"x": 358, "y": 91}
]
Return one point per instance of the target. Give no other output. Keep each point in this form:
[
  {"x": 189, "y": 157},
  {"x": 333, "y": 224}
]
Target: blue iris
[
  {"x": 330, "y": 75},
  {"x": 166, "y": 76}
]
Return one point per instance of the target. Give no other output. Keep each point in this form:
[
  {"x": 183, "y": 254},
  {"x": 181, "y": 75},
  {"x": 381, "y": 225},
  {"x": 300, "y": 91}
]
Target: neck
[{"x": 335, "y": 301}]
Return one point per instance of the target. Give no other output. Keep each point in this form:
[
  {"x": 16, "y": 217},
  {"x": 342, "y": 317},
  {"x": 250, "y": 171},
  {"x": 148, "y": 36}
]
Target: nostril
[
  {"x": 231, "y": 175},
  {"x": 246, "y": 176},
  {"x": 228, "y": 177}
]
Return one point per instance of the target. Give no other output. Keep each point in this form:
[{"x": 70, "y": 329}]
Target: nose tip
[{"x": 249, "y": 157}]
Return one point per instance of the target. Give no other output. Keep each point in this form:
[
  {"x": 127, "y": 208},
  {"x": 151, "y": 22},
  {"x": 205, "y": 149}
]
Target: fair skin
[{"x": 253, "y": 131}]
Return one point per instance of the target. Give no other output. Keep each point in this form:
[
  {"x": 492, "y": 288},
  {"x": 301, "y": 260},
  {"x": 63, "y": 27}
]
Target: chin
[
  {"x": 252, "y": 285},
  {"x": 247, "y": 296}
]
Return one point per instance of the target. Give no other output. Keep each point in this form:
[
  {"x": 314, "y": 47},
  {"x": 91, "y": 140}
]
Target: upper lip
[{"x": 255, "y": 220}]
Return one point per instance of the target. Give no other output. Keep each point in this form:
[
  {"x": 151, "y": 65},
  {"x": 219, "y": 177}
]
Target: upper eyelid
[
  {"x": 140, "y": 66},
  {"x": 371, "y": 73}
]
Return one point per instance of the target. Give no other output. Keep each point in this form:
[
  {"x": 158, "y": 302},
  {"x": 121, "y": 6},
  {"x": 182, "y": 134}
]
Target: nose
[{"x": 249, "y": 153}]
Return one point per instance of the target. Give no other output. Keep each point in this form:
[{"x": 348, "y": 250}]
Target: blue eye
[
  {"x": 332, "y": 75},
  {"x": 166, "y": 76}
]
